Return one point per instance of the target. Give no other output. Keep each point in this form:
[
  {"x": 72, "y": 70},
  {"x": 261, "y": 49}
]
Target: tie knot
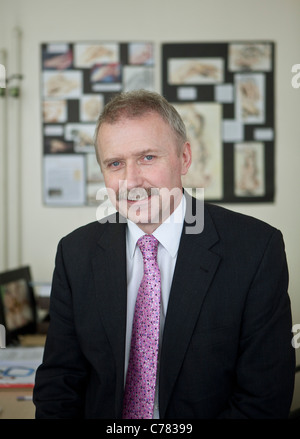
[{"x": 148, "y": 245}]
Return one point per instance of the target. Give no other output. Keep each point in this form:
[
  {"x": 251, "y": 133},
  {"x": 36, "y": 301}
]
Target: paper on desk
[{"x": 18, "y": 366}]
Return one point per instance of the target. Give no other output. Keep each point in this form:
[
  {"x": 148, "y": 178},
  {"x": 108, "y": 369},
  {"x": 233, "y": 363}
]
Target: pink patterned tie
[{"x": 141, "y": 375}]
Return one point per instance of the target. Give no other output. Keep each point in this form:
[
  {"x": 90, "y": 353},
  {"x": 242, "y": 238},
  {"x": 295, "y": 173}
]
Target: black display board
[
  {"x": 77, "y": 80},
  {"x": 225, "y": 94}
]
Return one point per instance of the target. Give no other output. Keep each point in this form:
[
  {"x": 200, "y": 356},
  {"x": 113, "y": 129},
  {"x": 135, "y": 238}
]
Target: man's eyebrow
[
  {"x": 111, "y": 160},
  {"x": 148, "y": 151}
]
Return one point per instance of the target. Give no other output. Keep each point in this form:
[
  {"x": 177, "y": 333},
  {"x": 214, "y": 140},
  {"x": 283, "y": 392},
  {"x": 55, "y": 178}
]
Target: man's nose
[{"x": 133, "y": 175}]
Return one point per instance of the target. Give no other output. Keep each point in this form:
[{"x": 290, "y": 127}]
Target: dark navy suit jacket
[{"x": 226, "y": 350}]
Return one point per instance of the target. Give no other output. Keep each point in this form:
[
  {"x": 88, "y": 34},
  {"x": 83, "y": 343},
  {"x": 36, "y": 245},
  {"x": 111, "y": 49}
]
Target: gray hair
[{"x": 134, "y": 104}]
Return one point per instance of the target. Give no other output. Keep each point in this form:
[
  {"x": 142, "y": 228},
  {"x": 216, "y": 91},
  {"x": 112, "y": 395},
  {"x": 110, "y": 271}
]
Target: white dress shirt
[{"x": 168, "y": 234}]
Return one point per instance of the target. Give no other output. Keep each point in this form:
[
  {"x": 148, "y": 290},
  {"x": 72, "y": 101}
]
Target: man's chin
[{"x": 144, "y": 211}]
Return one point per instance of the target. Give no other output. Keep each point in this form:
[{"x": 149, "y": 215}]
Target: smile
[
  {"x": 137, "y": 194},
  {"x": 137, "y": 197}
]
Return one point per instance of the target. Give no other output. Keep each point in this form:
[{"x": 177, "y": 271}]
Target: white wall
[{"x": 159, "y": 21}]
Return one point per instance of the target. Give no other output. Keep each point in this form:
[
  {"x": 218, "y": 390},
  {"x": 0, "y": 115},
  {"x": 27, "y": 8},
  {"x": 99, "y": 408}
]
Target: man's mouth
[
  {"x": 137, "y": 198},
  {"x": 137, "y": 194}
]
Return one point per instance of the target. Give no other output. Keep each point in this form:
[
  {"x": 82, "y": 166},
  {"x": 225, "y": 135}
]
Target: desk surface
[{"x": 11, "y": 407}]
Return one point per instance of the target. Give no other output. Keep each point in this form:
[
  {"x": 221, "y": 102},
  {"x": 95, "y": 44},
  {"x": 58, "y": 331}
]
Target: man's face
[{"x": 141, "y": 165}]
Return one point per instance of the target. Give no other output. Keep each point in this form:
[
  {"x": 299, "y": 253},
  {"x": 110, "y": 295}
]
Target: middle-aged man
[{"x": 153, "y": 316}]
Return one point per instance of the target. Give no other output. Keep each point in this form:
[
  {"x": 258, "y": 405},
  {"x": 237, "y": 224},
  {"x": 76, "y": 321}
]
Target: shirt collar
[{"x": 168, "y": 233}]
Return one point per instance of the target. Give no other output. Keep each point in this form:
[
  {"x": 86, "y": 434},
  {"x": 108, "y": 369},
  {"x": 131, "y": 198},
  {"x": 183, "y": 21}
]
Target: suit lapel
[
  {"x": 195, "y": 268},
  {"x": 109, "y": 268}
]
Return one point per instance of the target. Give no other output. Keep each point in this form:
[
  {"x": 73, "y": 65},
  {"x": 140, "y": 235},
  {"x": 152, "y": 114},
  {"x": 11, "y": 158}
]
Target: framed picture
[{"x": 17, "y": 303}]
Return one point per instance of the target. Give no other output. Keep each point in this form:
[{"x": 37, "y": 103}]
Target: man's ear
[{"x": 186, "y": 158}]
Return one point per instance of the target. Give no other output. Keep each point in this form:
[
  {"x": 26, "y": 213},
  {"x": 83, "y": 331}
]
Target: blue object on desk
[{"x": 17, "y": 371}]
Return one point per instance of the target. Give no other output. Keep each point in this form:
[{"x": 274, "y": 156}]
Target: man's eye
[
  {"x": 115, "y": 164},
  {"x": 148, "y": 158}
]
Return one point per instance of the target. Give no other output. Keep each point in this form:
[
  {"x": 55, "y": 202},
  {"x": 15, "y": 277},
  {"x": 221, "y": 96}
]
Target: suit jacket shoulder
[
  {"x": 234, "y": 227},
  {"x": 88, "y": 235},
  {"x": 225, "y": 217},
  {"x": 244, "y": 239}
]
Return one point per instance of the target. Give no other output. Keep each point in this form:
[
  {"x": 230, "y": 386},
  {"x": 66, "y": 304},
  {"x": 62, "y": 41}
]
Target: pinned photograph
[
  {"x": 141, "y": 53},
  {"x": 82, "y": 135},
  {"x": 249, "y": 178},
  {"x": 57, "y": 146},
  {"x": 195, "y": 70},
  {"x": 90, "y": 107},
  {"x": 249, "y": 57},
  {"x": 203, "y": 123},
  {"x": 57, "y": 56},
  {"x": 65, "y": 84},
  {"x": 138, "y": 77},
  {"x": 87, "y": 55},
  {"x": 64, "y": 182},
  {"x": 54, "y": 111},
  {"x": 250, "y": 98},
  {"x": 106, "y": 77}
]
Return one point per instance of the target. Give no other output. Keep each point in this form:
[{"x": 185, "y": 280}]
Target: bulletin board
[
  {"x": 225, "y": 95},
  {"x": 77, "y": 80}
]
